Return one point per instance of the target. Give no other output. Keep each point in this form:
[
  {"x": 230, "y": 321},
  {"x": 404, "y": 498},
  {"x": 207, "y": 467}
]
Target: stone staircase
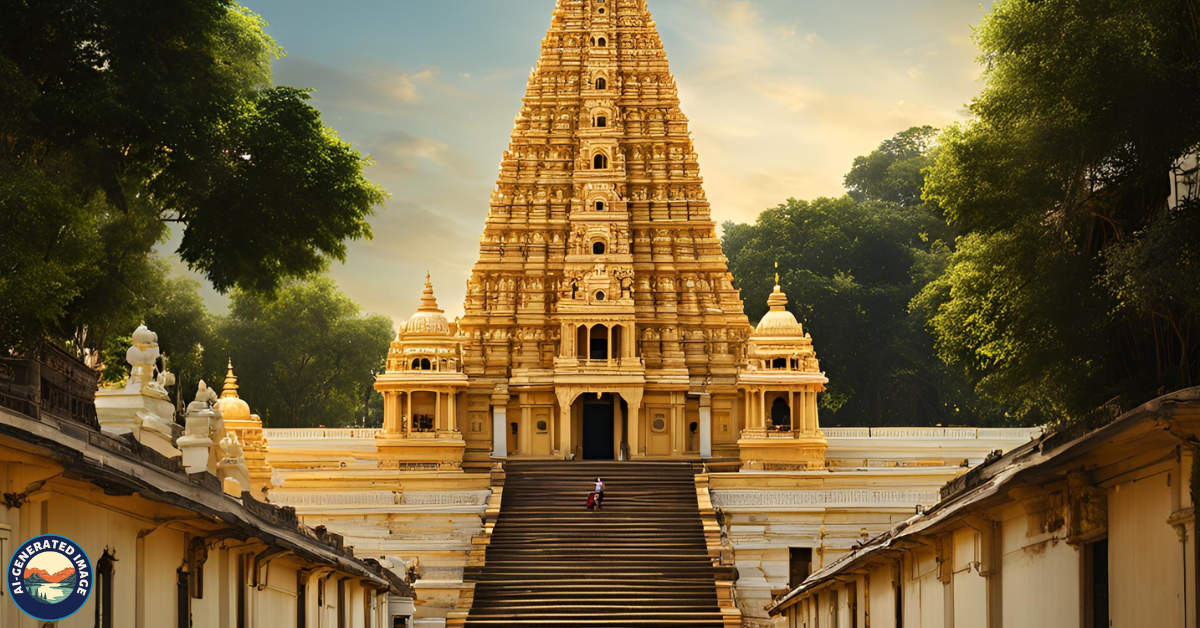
[{"x": 649, "y": 558}]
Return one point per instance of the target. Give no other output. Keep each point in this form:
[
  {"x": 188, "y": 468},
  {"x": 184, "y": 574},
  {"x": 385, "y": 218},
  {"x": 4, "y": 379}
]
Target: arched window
[
  {"x": 416, "y": 364},
  {"x": 600, "y": 162},
  {"x": 598, "y": 341},
  {"x": 601, "y": 122},
  {"x": 597, "y": 248},
  {"x": 426, "y": 365},
  {"x": 601, "y": 83},
  {"x": 599, "y": 206},
  {"x": 781, "y": 414},
  {"x": 779, "y": 363},
  {"x": 601, "y": 42}
]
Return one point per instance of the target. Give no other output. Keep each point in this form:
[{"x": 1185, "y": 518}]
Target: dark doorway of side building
[{"x": 598, "y": 426}]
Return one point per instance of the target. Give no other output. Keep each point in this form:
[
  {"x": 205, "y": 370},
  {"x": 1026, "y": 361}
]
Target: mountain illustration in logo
[
  {"x": 40, "y": 576},
  {"x": 50, "y": 588}
]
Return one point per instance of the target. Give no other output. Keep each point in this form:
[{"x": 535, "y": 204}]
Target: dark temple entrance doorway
[{"x": 598, "y": 426}]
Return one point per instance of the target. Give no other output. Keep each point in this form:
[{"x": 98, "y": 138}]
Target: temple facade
[{"x": 601, "y": 321}]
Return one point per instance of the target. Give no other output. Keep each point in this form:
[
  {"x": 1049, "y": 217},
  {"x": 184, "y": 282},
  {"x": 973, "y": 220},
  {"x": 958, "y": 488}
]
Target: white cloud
[{"x": 399, "y": 153}]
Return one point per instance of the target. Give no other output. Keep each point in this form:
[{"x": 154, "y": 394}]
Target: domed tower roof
[
  {"x": 232, "y": 407},
  {"x": 778, "y": 321},
  {"x": 428, "y": 318}
]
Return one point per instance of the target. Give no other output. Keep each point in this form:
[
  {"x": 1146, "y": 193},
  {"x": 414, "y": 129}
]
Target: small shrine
[
  {"x": 248, "y": 429},
  {"x": 780, "y": 383},
  {"x": 421, "y": 388}
]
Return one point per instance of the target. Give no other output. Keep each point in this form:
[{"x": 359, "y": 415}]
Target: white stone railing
[
  {"x": 319, "y": 433},
  {"x": 334, "y": 498},
  {"x": 821, "y": 497},
  {"x": 958, "y": 433}
]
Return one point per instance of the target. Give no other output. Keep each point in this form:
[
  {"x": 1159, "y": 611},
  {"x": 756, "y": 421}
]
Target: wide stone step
[{"x": 640, "y": 562}]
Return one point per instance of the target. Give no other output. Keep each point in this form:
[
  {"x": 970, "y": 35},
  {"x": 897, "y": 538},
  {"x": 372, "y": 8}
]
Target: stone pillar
[
  {"x": 635, "y": 428},
  {"x": 748, "y": 423},
  {"x": 391, "y": 412},
  {"x": 706, "y": 425},
  {"x": 812, "y": 411},
  {"x": 679, "y": 431},
  {"x": 452, "y": 410},
  {"x": 406, "y": 412},
  {"x": 525, "y": 429},
  {"x": 793, "y": 424},
  {"x": 618, "y": 427},
  {"x": 499, "y": 432},
  {"x": 437, "y": 411},
  {"x": 564, "y": 429}
]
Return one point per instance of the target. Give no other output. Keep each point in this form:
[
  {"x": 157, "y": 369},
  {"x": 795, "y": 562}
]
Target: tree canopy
[
  {"x": 851, "y": 266},
  {"x": 304, "y": 356},
  {"x": 892, "y": 173},
  {"x": 1072, "y": 289},
  {"x": 121, "y": 117}
]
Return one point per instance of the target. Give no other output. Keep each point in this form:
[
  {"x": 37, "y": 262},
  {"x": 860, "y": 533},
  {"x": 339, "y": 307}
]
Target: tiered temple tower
[{"x": 601, "y": 320}]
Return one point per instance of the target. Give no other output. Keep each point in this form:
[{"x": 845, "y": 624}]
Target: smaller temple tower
[
  {"x": 421, "y": 389},
  {"x": 248, "y": 428},
  {"x": 780, "y": 382}
]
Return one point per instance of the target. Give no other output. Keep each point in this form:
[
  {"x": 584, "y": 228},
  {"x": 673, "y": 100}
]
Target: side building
[
  {"x": 1091, "y": 530},
  {"x": 173, "y": 532}
]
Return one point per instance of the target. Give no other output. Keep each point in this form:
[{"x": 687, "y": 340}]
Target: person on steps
[{"x": 599, "y": 492}]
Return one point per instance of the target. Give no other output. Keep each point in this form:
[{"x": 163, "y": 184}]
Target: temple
[
  {"x": 601, "y": 321},
  {"x": 603, "y": 335}
]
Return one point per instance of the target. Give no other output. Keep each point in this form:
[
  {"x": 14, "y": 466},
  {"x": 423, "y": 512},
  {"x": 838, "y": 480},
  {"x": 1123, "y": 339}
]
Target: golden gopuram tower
[{"x": 601, "y": 321}]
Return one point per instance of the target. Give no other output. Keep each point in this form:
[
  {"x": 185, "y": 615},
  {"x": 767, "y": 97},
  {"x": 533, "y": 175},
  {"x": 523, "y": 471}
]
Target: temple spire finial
[
  {"x": 428, "y": 301},
  {"x": 230, "y": 389},
  {"x": 778, "y": 300}
]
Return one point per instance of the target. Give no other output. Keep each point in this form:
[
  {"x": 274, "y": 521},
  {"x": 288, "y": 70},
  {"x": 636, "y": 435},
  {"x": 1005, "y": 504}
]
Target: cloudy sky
[{"x": 782, "y": 95}]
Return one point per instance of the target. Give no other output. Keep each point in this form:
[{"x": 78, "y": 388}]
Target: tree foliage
[
  {"x": 851, "y": 266},
  {"x": 305, "y": 356},
  {"x": 892, "y": 173},
  {"x": 119, "y": 117},
  {"x": 172, "y": 308},
  {"x": 1072, "y": 289}
]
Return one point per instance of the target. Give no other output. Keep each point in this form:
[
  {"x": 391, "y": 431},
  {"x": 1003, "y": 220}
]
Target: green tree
[
  {"x": 172, "y": 308},
  {"x": 850, "y": 269},
  {"x": 119, "y": 117},
  {"x": 305, "y": 356},
  {"x": 892, "y": 173},
  {"x": 1070, "y": 293}
]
